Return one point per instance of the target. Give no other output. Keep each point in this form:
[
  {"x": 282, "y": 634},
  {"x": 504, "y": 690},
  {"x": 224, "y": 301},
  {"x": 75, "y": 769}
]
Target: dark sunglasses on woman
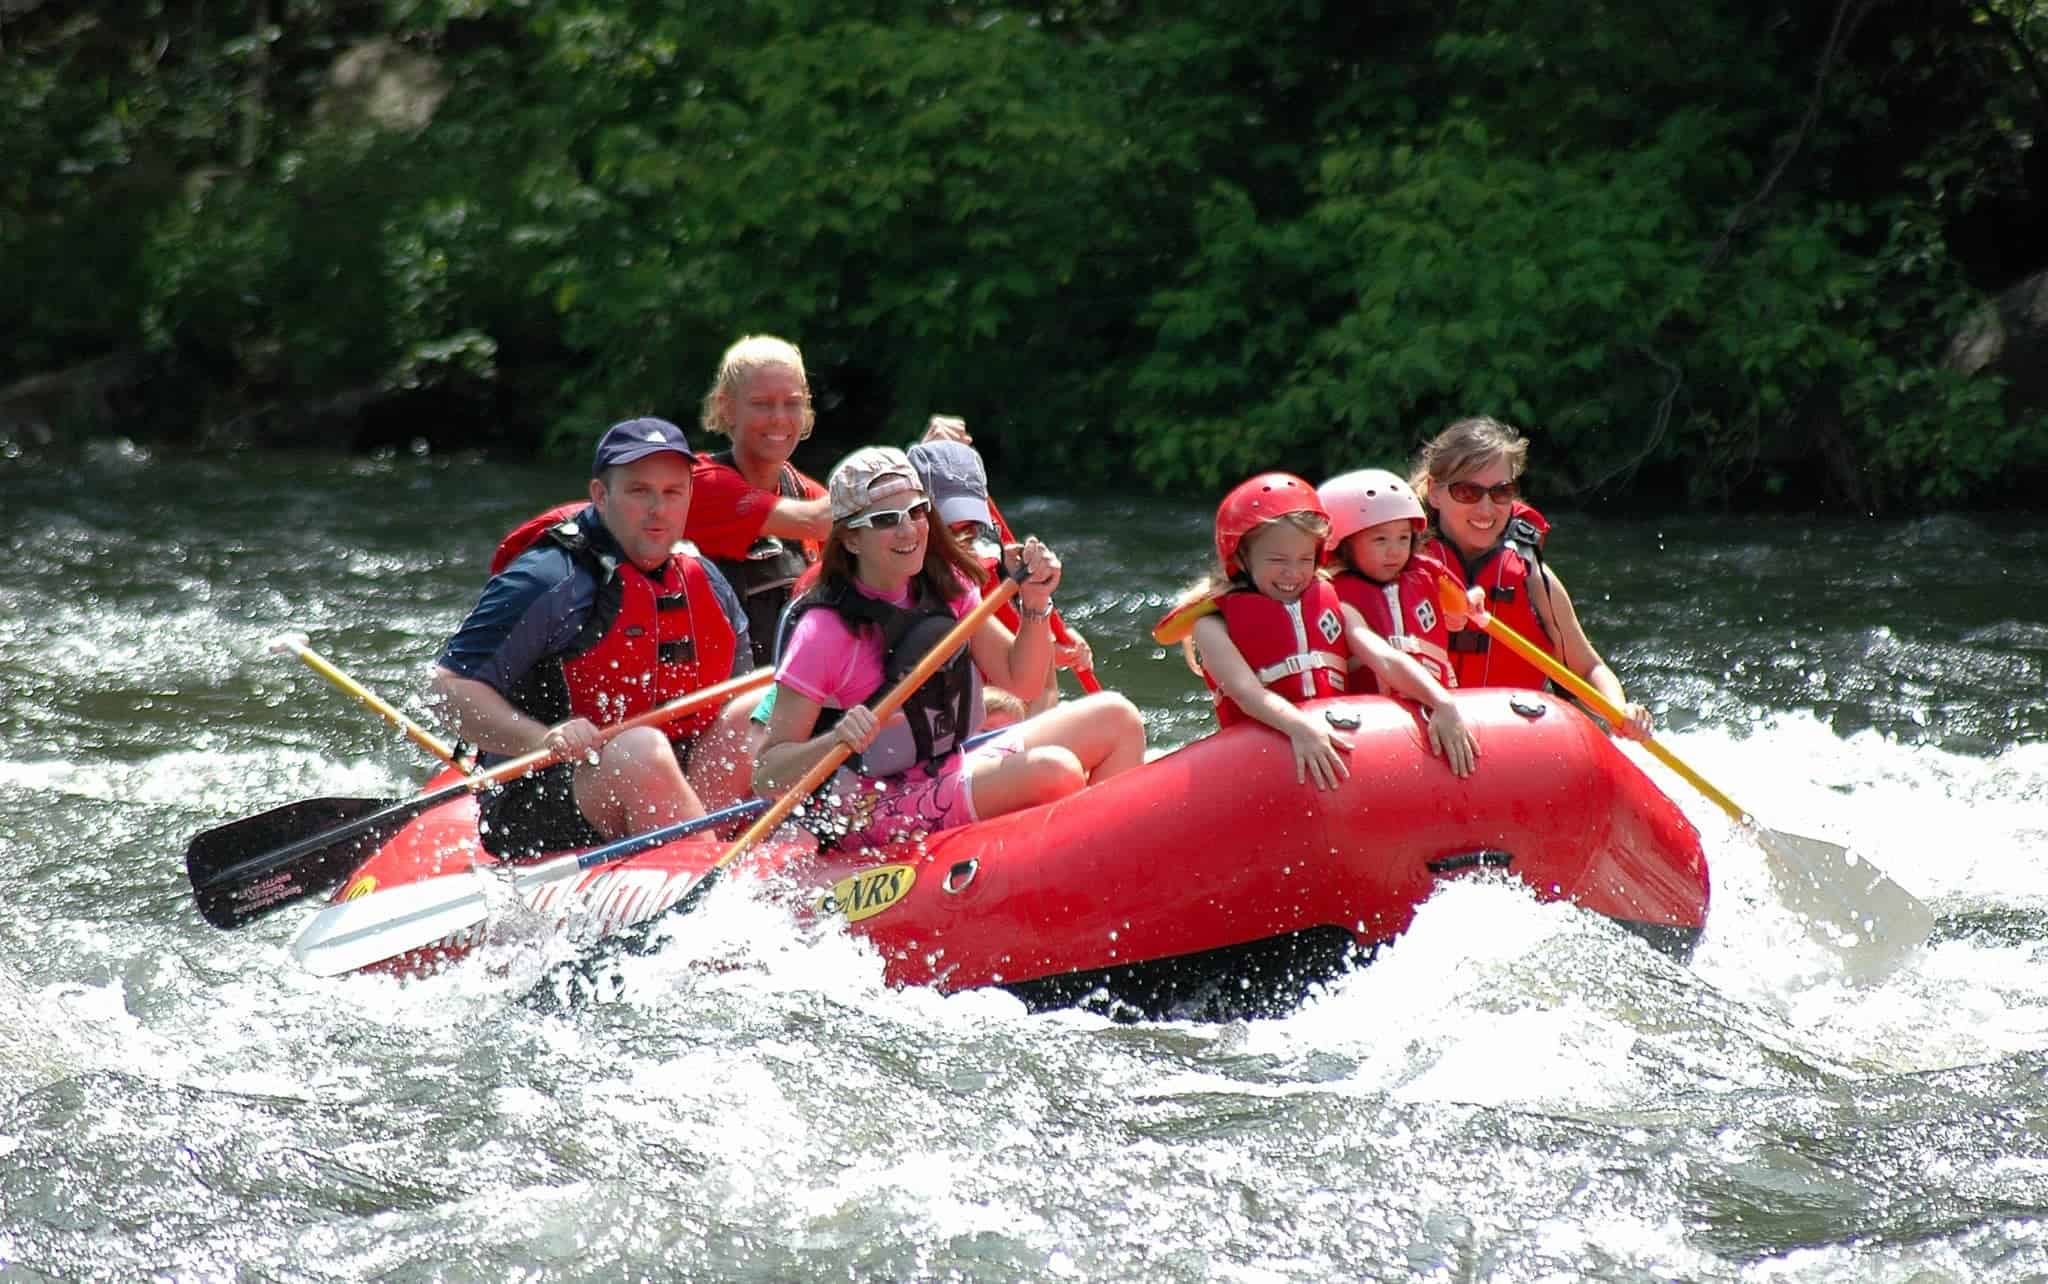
[{"x": 1469, "y": 492}]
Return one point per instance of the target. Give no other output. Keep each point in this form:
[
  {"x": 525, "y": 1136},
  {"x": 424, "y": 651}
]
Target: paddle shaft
[
  {"x": 746, "y": 809},
  {"x": 419, "y": 735},
  {"x": 1849, "y": 904},
  {"x": 1060, "y": 631},
  {"x": 717, "y": 693},
  {"x": 1607, "y": 709},
  {"x": 353, "y": 934},
  {"x": 350, "y": 935},
  {"x": 232, "y": 887}
]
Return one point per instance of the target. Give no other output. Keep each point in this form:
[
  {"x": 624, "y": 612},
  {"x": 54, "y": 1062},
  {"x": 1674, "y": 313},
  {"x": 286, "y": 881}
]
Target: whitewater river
[{"x": 1514, "y": 1092}]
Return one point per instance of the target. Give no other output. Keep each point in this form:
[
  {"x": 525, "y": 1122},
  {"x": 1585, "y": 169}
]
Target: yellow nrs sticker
[
  {"x": 360, "y": 888},
  {"x": 869, "y": 892}
]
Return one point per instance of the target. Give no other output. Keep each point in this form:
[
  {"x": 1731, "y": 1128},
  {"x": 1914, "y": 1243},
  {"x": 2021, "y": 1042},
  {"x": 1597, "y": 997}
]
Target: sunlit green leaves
[{"x": 1188, "y": 245}]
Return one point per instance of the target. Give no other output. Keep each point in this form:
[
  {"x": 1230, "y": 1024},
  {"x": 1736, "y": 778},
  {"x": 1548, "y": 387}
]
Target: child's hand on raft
[
  {"x": 1453, "y": 741},
  {"x": 1317, "y": 754}
]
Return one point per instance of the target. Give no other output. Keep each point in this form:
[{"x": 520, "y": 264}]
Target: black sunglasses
[{"x": 1469, "y": 492}]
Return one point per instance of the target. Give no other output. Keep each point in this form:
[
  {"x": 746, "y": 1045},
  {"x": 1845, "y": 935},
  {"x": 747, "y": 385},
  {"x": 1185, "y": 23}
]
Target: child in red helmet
[
  {"x": 1376, "y": 526},
  {"x": 1272, "y": 632}
]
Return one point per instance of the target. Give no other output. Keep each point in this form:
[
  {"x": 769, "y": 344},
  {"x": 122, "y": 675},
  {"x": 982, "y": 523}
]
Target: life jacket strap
[{"x": 1302, "y": 662}]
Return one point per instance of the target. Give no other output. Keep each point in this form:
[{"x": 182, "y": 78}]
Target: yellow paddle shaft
[
  {"x": 1180, "y": 621},
  {"x": 661, "y": 714},
  {"x": 1600, "y": 704},
  {"x": 318, "y": 663}
]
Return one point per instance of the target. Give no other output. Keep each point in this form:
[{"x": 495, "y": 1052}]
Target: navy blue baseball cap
[{"x": 633, "y": 439}]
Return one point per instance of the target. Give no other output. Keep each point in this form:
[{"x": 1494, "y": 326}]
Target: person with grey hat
[
  {"x": 892, "y": 582},
  {"x": 955, "y": 478},
  {"x": 593, "y": 615}
]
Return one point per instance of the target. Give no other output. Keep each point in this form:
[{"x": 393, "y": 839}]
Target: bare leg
[
  {"x": 1068, "y": 747},
  {"x": 1025, "y": 779},
  {"x": 722, "y": 759},
  {"x": 1104, "y": 732},
  {"x": 636, "y": 785}
]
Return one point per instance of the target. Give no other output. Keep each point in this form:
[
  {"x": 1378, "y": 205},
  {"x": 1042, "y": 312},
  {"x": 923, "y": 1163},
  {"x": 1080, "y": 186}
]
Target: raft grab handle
[{"x": 1484, "y": 858}]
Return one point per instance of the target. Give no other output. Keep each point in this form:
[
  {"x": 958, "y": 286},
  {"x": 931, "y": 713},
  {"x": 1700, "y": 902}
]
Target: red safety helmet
[{"x": 1254, "y": 503}]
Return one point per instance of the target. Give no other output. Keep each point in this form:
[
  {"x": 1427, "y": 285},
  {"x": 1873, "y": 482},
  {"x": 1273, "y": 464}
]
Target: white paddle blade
[
  {"x": 1849, "y": 903},
  {"x": 351, "y": 935}
]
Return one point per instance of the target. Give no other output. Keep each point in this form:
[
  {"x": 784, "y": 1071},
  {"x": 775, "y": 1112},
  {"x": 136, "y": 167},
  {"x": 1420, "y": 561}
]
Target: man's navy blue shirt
[{"x": 534, "y": 608}]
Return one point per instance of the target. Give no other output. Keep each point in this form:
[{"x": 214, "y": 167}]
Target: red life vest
[
  {"x": 1405, "y": 613},
  {"x": 991, "y": 580},
  {"x": 1295, "y": 649},
  {"x": 1509, "y": 571},
  {"x": 647, "y": 640},
  {"x": 528, "y": 533},
  {"x": 763, "y": 579}
]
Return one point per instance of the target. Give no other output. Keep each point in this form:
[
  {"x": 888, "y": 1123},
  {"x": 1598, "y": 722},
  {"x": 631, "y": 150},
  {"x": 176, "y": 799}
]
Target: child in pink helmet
[{"x": 1376, "y": 529}]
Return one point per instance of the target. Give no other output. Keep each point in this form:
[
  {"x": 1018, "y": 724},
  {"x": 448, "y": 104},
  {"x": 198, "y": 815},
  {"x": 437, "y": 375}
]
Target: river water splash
[{"x": 1514, "y": 1092}]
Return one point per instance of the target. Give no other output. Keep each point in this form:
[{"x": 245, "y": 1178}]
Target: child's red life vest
[
  {"x": 1295, "y": 649},
  {"x": 1404, "y": 611}
]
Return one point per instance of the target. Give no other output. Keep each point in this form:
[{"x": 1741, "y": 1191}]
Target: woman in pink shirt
[{"x": 893, "y": 580}]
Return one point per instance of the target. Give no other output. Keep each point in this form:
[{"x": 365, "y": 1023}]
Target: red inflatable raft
[{"x": 1206, "y": 880}]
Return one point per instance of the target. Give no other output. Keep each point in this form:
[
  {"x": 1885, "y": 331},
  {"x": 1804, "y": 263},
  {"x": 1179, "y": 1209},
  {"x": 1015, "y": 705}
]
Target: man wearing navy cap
[{"x": 593, "y": 615}]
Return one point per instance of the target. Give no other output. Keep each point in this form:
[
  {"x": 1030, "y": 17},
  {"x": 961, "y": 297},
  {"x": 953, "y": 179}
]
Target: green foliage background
[{"x": 1697, "y": 254}]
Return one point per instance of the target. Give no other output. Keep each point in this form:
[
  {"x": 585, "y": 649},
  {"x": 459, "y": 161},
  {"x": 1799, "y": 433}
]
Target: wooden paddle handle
[
  {"x": 1449, "y": 593},
  {"x": 425, "y": 739},
  {"x": 719, "y": 693},
  {"x": 821, "y": 770},
  {"x": 1060, "y": 631}
]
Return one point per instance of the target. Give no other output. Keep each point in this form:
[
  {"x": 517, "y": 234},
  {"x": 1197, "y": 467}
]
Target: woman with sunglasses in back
[
  {"x": 1483, "y": 532},
  {"x": 893, "y": 580}
]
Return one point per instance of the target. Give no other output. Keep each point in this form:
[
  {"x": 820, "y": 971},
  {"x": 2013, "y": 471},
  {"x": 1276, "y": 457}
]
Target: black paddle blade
[{"x": 246, "y": 868}]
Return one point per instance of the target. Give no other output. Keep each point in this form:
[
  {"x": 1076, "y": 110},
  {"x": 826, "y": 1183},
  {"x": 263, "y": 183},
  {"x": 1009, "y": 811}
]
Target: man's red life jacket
[{"x": 647, "y": 639}]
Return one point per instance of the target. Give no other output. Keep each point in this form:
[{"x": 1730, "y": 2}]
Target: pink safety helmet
[{"x": 1366, "y": 498}]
